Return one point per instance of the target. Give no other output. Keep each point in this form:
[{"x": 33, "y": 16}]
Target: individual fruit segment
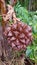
[
  {"x": 10, "y": 34},
  {"x": 22, "y": 35},
  {"x": 22, "y": 41},
  {"x": 13, "y": 39},
  {"x": 13, "y": 45}
]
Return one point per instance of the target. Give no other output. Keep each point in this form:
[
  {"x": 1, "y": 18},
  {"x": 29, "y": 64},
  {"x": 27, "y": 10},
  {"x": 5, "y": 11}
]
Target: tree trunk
[{"x": 30, "y": 4}]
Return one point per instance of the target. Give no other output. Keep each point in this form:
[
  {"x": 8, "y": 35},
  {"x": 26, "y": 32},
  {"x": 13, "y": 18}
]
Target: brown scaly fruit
[{"x": 19, "y": 35}]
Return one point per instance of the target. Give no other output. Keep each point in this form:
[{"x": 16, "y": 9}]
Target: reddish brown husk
[{"x": 19, "y": 35}]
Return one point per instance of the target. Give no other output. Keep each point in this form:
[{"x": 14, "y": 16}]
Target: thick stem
[{"x": 3, "y": 11}]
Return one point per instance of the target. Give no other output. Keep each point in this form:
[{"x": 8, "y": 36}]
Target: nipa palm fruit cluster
[{"x": 19, "y": 35}]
